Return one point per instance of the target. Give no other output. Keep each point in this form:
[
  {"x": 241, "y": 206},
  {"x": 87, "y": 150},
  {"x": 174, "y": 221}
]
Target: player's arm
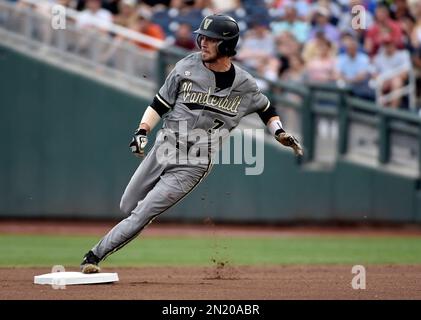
[
  {"x": 151, "y": 117},
  {"x": 154, "y": 113},
  {"x": 271, "y": 119},
  {"x": 162, "y": 103}
]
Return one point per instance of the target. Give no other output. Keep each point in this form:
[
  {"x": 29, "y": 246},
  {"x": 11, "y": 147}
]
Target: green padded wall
[{"x": 64, "y": 153}]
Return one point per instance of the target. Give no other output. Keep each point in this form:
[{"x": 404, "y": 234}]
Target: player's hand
[
  {"x": 139, "y": 142},
  {"x": 289, "y": 140}
]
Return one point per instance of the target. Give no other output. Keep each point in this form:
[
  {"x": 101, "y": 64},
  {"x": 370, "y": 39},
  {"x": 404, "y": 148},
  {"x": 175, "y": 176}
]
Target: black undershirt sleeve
[
  {"x": 266, "y": 115},
  {"x": 159, "y": 107}
]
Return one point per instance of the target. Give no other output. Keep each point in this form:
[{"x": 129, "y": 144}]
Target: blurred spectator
[
  {"x": 400, "y": 9},
  {"x": 416, "y": 32},
  {"x": 388, "y": 61},
  {"x": 127, "y": 13},
  {"x": 407, "y": 25},
  {"x": 184, "y": 11},
  {"x": 322, "y": 24},
  {"x": 301, "y": 6},
  {"x": 182, "y": 4},
  {"x": 94, "y": 16},
  {"x": 144, "y": 25},
  {"x": 184, "y": 38},
  {"x": 111, "y": 5},
  {"x": 203, "y": 4},
  {"x": 321, "y": 68},
  {"x": 225, "y": 5},
  {"x": 296, "y": 70},
  {"x": 68, "y": 3},
  {"x": 329, "y": 6},
  {"x": 353, "y": 69},
  {"x": 124, "y": 58},
  {"x": 384, "y": 27},
  {"x": 401, "y": 12},
  {"x": 287, "y": 47},
  {"x": 416, "y": 35},
  {"x": 258, "y": 44},
  {"x": 291, "y": 24},
  {"x": 413, "y": 4},
  {"x": 312, "y": 47}
]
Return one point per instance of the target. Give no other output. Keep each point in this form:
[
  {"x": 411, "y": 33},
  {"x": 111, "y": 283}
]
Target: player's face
[{"x": 209, "y": 48}]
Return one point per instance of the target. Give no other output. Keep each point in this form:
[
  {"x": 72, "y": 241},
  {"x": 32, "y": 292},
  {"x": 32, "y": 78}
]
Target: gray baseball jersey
[
  {"x": 189, "y": 91},
  {"x": 189, "y": 95}
]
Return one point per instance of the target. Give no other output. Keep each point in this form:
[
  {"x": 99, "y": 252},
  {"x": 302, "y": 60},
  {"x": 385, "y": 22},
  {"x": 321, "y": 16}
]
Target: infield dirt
[{"x": 229, "y": 282}]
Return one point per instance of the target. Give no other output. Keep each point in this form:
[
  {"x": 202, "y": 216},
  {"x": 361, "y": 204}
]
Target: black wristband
[
  {"x": 141, "y": 132},
  {"x": 266, "y": 115},
  {"x": 279, "y": 131}
]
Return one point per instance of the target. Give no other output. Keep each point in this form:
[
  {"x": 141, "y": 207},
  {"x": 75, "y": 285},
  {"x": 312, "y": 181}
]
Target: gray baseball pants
[{"x": 153, "y": 188}]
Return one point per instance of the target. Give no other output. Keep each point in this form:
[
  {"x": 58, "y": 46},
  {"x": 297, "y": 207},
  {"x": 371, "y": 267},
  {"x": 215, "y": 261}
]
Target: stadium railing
[
  {"x": 408, "y": 90},
  {"x": 112, "y": 53}
]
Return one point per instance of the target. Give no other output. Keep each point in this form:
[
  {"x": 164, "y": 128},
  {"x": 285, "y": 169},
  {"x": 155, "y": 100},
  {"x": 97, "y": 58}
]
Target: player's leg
[
  {"x": 172, "y": 186},
  {"x": 142, "y": 181}
]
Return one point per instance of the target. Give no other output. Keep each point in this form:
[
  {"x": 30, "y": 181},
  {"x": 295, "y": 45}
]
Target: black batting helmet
[{"x": 222, "y": 27}]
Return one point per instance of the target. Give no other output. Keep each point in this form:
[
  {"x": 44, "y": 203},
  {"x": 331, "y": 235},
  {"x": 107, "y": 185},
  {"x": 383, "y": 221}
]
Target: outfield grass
[{"x": 28, "y": 251}]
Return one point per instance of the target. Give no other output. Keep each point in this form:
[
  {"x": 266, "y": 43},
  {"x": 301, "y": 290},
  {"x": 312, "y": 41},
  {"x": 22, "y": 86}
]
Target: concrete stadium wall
[{"x": 64, "y": 153}]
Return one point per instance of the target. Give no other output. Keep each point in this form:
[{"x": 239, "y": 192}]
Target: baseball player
[{"x": 206, "y": 91}]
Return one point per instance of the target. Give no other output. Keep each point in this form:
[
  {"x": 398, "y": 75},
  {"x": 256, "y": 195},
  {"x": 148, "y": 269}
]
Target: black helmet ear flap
[
  {"x": 198, "y": 40},
  {"x": 227, "y": 47}
]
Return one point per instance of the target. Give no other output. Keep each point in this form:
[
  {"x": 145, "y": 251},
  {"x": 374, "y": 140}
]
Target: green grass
[{"x": 18, "y": 250}]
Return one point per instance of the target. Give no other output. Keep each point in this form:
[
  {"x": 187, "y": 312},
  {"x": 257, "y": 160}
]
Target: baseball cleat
[
  {"x": 90, "y": 263},
  {"x": 90, "y": 268}
]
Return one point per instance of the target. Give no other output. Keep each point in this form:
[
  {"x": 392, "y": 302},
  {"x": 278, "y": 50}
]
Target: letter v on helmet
[{"x": 207, "y": 23}]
